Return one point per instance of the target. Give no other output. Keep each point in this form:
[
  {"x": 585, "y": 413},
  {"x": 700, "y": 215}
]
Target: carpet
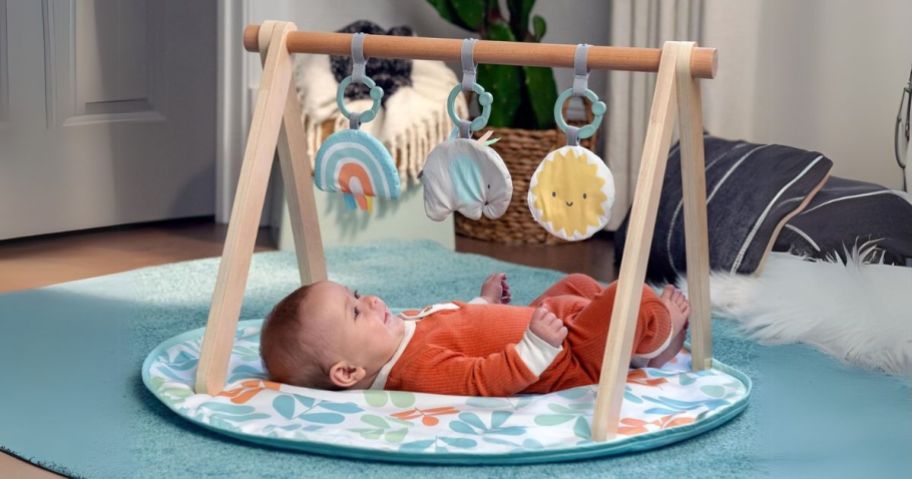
[{"x": 73, "y": 401}]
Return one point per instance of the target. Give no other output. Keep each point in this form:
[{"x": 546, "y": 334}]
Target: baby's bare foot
[{"x": 679, "y": 310}]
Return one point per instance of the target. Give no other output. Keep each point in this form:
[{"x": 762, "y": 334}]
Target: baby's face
[{"x": 360, "y": 330}]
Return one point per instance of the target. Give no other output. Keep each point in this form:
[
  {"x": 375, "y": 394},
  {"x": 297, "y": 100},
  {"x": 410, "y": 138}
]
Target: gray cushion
[{"x": 751, "y": 190}]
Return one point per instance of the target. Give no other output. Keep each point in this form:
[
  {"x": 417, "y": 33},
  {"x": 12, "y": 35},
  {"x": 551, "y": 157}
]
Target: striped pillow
[
  {"x": 849, "y": 214},
  {"x": 751, "y": 191}
]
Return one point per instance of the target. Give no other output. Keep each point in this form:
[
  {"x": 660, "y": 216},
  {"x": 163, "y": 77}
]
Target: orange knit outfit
[{"x": 471, "y": 350}]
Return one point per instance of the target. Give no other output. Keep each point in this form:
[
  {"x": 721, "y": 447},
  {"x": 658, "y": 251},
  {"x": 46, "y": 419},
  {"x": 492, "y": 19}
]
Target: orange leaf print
[
  {"x": 630, "y": 431},
  {"x": 632, "y": 421},
  {"x": 429, "y": 421},
  {"x": 406, "y": 415},
  {"x": 679, "y": 422}
]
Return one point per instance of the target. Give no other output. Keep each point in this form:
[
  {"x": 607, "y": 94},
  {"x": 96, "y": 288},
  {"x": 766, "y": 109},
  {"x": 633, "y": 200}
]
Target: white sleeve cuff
[
  {"x": 478, "y": 300},
  {"x": 658, "y": 350},
  {"x": 536, "y": 352}
]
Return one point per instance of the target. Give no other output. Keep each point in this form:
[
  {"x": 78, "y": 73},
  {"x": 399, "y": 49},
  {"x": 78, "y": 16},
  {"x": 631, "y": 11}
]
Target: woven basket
[{"x": 522, "y": 151}]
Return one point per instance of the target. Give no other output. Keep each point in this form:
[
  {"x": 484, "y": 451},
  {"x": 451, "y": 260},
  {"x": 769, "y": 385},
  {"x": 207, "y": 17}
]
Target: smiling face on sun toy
[{"x": 571, "y": 193}]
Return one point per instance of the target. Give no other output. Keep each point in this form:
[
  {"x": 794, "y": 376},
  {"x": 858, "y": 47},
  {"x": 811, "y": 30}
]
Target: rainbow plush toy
[
  {"x": 356, "y": 164},
  {"x": 352, "y": 161}
]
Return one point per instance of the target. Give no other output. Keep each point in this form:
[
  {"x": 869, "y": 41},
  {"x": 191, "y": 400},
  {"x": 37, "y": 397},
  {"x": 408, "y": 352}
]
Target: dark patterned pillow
[
  {"x": 751, "y": 191},
  {"x": 849, "y": 214}
]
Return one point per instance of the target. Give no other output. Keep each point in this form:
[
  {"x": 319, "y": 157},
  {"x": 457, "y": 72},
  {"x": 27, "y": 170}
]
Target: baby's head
[{"x": 327, "y": 337}]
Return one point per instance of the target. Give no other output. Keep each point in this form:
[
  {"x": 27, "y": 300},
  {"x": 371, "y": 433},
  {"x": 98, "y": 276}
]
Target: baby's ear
[{"x": 345, "y": 375}]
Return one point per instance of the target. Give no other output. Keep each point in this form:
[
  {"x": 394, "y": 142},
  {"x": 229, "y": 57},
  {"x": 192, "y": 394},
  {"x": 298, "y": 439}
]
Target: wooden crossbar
[
  {"x": 703, "y": 61},
  {"x": 276, "y": 125}
]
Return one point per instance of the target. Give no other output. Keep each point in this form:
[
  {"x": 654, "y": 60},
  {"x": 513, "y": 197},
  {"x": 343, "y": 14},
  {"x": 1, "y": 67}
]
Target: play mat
[{"x": 660, "y": 406}]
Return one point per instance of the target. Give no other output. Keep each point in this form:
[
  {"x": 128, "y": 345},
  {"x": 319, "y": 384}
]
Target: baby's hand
[
  {"x": 547, "y": 326},
  {"x": 495, "y": 289}
]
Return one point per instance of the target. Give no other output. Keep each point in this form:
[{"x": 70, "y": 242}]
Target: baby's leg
[
  {"x": 575, "y": 284},
  {"x": 588, "y": 330},
  {"x": 679, "y": 309}
]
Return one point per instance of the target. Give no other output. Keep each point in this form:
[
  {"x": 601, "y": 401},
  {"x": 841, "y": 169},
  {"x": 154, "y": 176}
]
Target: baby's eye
[
  {"x": 584, "y": 196},
  {"x": 357, "y": 312},
  {"x": 357, "y": 296}
]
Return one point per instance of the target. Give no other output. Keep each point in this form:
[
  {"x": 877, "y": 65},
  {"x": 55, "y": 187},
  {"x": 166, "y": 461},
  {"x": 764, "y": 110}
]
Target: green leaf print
[
  {"x": 396, "y": 436},
  {"x": 713, "y": 391},
  {"x": 552, "y": 419},
  {"x": 402, "y": 399},
  {"x": 375, "y": 421}
]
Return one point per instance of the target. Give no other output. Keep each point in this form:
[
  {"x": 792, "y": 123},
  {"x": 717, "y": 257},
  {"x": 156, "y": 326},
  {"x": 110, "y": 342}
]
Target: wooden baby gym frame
[{"x": 277, "y": 123}]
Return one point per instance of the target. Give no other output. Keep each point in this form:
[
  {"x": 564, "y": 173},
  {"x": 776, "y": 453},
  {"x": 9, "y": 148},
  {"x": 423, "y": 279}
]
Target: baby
[{"x": 328, "y": 337}]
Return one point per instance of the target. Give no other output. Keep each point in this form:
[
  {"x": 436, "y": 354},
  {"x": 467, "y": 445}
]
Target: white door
[{"x": 107, "y": 113}]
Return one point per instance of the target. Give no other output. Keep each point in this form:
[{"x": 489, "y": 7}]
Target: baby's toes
[{"x": 668, "y": 292}]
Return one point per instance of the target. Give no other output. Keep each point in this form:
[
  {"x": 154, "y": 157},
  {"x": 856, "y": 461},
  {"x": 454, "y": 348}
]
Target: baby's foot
[{"x": 679, "y": 310}]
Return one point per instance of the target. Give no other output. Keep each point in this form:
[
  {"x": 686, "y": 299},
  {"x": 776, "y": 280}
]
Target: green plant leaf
[
  {"x": 504, "y": 82},
  {"x": 539, "y": 27},
  {"x": 519, "y": 17},
  {"x": 448, "y": 12},
  {"x": 542, "y": 93},
  {"x": 471, "y": 12}
]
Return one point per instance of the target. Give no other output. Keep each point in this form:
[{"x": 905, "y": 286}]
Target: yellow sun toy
[
  {"x": 572, "y": 190},
  {"x": 571, "y": 193}
]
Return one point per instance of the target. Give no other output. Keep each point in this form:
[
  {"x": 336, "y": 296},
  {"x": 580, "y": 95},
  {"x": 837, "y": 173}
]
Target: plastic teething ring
[
  {"x": 485, "y": 99},
  {"x": 598, "y": 111},
  {"x": 376, "y": 94}
]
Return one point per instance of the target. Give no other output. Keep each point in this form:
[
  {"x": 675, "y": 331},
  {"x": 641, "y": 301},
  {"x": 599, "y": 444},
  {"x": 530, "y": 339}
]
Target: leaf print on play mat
[
  {"x": 426, "y": 415},
  {"x": 380, "y": 427},
  {"x": 248, "y": 389},
  {"x": 439, "y": 444},
  {"x": 287, "y": 405},
  {"x": 577, "y": 411},
  {"x": 470, "y": 423},
  {"x": 400, "y": 399},
  {"x": 639, "y": 376}
]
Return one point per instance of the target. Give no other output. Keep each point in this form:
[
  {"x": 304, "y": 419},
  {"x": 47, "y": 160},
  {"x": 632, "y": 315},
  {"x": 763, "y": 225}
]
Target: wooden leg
[
  {"x": 297, "y": 177},
  {"x": 218, "y": 339},
  {"x": 636, "y": 253},
  {"x": 693, "y": 176}
]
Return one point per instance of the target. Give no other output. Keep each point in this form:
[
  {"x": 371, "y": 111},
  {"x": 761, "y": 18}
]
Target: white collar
[{"x": 380, "y": 380}]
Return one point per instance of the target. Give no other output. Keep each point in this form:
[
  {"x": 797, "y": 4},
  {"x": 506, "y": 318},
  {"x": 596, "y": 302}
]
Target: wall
[{"x": 823, "y": 75}]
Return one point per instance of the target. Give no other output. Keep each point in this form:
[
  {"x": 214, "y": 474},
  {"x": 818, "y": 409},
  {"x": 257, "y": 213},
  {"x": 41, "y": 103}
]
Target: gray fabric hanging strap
[
  {"x": 572, "y": 134},
  {"x": 468, "y": 64},
  {"x": 580, "y": 72},
  {"x": 354, "y": 120},
  {"x": 359, "y": 64}
]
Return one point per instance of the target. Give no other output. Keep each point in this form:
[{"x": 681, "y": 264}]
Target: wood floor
[{"x": 42, "y": 261}]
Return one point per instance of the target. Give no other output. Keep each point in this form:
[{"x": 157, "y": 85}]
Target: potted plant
[{"x": 522, "y": 113}]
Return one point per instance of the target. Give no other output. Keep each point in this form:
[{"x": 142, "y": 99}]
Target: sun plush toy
[{"x": 571, "y": 193}]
